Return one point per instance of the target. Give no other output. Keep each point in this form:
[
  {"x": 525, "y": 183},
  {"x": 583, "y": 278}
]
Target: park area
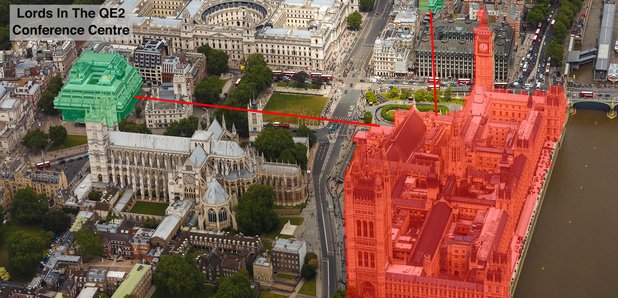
[
  {"x": 294, "y": 104},
  {"x": 70, "y": 141},
  {"x": 150, "y": 208},
  {"x": 387, "y": 112}
]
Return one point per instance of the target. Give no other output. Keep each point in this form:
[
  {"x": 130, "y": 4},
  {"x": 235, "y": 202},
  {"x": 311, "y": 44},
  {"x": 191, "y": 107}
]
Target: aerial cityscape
[{"x": 308, "y": 148}]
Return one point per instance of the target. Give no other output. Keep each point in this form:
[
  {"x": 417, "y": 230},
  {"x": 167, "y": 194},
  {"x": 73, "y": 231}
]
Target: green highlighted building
[
  {"x": 427, "y": 5},
  {"x": 100, "y": 87}
]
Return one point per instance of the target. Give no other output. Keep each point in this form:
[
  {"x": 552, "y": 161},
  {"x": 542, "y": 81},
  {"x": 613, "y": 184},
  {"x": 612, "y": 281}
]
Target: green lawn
[
  {"x": 308, "y": 288},
  {"x": 150, "y": 208},
  {"x": 388, "y": 111},
  {"x": 286, "y": 276},
  {"x": 10, "y": 229},
  {"x": 265, "y": 294},
  {"x": 71, "y": 141},
  {"x": 294, "y": 104},
  {"x": 282, "y": 221},
  {"x": 208, "y": 291}
]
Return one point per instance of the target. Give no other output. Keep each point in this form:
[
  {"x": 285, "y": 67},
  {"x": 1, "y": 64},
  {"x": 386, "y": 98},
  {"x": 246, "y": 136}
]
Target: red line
[
  {"x": 433, "y": 64},
  {"x": 256, "y": 111}
]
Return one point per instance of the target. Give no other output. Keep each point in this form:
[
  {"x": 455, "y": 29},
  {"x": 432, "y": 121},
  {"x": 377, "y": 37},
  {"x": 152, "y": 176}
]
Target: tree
[
  {"x": 555, "y": 51},
  {"x": 255, "y": 212},
  {"x": 307, "y": 271},
  {"x": 95, "y": 195},
  {"x": 354, "y": 20},
  {"x": 150, "y": 224},
  {"x": 25, "y": 250},
  {"x": 304, "y": 131},
  {"x": 371, "y": 97},
  {"x": 46, "y": 103},
  {"x": 132, "y": 126},
  {"x": 273, "y": 141},
  {"x": 404, "y": 94},
  {"x": 300, "y": 78},
  {"x": 56, "y": 221},
  {"x": 393, "y": 93},
  {"x": 310, "y": 256},
  {"x": 28, "y": 207},
  {"x": 366, "y": 5},
  {"x": 89, "y": 243},
  {"x": 138, "y": 111},
  {"x": 130, "y": 296},
  {"x": 35, "y": 139},
  {"x": 57, "y": 134},
  {"x": 422, "y": 95},
  {"x": 339, "y": 294},
  {"x": 209, "y": 90},
  {"x": 447, "y": 95},
  {"x": 560, "y": 31},
  {"x": 178, "y": 276},
  {"x": 367, "y": 117},
  {"x": 183, "y": 128},
  {"x": 217, "y": 62},
  {"x": 4, "y": 274},
  {"x": 235, "y": 286}
]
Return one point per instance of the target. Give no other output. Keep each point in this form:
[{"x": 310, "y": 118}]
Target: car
[
  {"x": 351, "y": 85},
  {"x": 362, "y": 80}
]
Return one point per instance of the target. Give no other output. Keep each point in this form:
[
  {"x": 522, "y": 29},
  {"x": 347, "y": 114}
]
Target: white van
[{"x": 616, "y": 46}]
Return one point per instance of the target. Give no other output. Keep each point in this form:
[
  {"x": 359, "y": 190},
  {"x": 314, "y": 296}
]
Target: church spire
[{"x": 223, "y": 121}]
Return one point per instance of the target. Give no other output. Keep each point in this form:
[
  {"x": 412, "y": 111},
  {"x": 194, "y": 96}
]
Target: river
[{"x": 574, "y": 249}]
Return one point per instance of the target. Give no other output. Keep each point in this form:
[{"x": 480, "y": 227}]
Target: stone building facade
[{"x": 291, "y": 34}]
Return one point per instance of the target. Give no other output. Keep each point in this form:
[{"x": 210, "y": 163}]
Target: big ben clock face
[
  {"x": 483, "y": 47},
  {"x": 189, "y": 179}
]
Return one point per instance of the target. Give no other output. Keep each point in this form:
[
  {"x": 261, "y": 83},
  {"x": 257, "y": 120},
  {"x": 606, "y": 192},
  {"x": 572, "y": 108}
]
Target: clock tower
[{"x": 483, "y": 52}]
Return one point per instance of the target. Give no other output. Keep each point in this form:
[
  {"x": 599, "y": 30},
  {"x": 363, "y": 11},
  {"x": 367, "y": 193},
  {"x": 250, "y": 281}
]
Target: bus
[
  {"x": 537, "y": 31},
  {"x": 281, "y": 125},
  {"x": 43, "y": 165},
  {"x": 237, "y": 83},
  {"x": 315, "y": 75},
  {"x": 430, "y": 87},
  {"x": 328, "y": 77},
  {"x": 430, "y": 81},
  {"x": 536, "y": 36},
  {"x": 586, "y": 94},
  {"x": 464, "y": 81}
]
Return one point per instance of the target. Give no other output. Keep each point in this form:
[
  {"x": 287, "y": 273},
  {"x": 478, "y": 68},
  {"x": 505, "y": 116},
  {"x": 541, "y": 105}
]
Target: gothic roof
[
  {"x": 149, "y": 142},
  {"x": 226, "y": 148},
  {"x": 198, "y": 157},
  {"x": 214, "y": 131},
  {"x": 406, "y": 137},
  {"x": 215, "y": 194}
]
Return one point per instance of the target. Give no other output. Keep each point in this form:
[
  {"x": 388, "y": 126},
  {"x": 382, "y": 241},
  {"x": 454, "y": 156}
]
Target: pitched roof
[
  {"x": 149, "y": 142},
  {"x": 215, "y": 194}
]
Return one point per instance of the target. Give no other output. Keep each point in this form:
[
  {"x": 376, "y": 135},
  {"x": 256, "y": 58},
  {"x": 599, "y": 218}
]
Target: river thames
[{"x": 574, "y": 249}]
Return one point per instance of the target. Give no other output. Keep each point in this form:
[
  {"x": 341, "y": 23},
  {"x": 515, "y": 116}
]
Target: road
[
  {"x": 363, "y": 48},
  {"x": 331, "y": 140}
]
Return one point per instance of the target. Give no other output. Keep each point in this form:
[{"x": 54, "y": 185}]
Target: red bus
[
  {"x": 586, "y": 94},
  {"x": 328, "y": 77},
  {"x": 464, "y": 81},
  {"x": 430, "y": 87},
  {"x": 315, "y": 75},
  {"x": 281, "y": 125},
  {"x": 42, "y": 165}
]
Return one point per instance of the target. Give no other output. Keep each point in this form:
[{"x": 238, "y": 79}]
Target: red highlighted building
[{"x": 441, "y": 205}]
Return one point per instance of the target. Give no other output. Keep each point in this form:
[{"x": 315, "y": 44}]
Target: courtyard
[{"x": 149, "y": 208}]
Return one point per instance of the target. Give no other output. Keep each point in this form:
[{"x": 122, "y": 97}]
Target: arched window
[
  {"x": 359, "y": 228},
  {"x": 222, "y": 214},
  {"x": 212, "y": 215},
  {"x": 366, "y": 257},
  {"x": 371, "y": 229},
  {"x": 372, "y": 260},
  {"x": 364, "y": 228},
  {"x": 360, "y": 259}
]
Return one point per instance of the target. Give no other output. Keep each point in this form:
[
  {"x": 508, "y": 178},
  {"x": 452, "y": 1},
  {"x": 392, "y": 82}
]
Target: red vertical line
[{"x": 433, "y": 64}]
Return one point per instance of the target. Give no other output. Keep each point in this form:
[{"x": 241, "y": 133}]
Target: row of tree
[
  {"x": 278, "y": 145},
  {"x": 354, "y": 21},
  {"x": 37, "y": 139},
  {"x": 209, "y": 90},
  {"x": 564, "y": 17},
  {"x": 216, "y": 60},
  {"x": 46, "y": 103},
  {"x": 132, "y": 126},
  {"x": 179, "y": 276},
  {"x": 256, "y": 79}
]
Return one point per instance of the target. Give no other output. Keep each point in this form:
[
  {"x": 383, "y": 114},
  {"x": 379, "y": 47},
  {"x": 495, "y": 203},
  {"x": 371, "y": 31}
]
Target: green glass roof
[{"x": 101, "y": 87}]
